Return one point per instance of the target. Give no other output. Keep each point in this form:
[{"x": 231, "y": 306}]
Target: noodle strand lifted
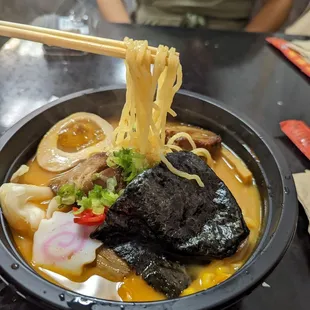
[{"x": 149, "y": 96}]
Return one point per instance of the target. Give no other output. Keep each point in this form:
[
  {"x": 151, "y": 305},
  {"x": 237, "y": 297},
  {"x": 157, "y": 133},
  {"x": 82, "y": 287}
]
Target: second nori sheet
[{"x": 176, "y": 217}]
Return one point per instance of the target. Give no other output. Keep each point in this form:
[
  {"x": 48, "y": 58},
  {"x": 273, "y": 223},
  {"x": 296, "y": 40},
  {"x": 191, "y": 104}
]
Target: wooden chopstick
[
  {"x": 65, "y": 34},
  {"x": 64, "y": 42},
  {"x": 67, "y": 40}
]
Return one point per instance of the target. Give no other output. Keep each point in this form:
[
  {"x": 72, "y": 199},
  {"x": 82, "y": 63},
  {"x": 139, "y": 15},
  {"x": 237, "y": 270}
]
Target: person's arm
[
  {"x": 271, "y": 16},
  {"x": 114, "y": 11}
]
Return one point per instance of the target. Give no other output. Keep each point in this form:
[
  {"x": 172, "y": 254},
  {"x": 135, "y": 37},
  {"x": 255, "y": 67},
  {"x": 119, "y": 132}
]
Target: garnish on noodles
[{"x": 150, "y": 92}]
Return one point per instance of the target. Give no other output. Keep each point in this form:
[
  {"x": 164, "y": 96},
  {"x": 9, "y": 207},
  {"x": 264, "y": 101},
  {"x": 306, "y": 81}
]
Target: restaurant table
[{"x": 239, "y": 69}]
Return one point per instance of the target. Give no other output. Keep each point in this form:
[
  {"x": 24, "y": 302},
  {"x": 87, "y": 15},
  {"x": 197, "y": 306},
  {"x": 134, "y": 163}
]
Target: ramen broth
[{"x": 133, "y": 287}]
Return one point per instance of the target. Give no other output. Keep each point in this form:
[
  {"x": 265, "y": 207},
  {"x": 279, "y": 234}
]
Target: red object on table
[
  {"x": 88, "y": 218},
  {"x": 297, "y": 59},
  {"x": 299, "y": 134}
]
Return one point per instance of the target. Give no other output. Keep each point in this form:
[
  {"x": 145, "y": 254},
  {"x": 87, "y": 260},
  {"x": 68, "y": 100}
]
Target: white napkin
[
  {"x": 302, "y": 25},
  {"x": 302, "y": 182},
  {"x": 302, "y": 47}
]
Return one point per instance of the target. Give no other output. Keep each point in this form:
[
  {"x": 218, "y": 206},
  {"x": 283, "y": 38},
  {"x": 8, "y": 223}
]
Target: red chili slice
[
  {"x": 299, "y": 133},
  {"x": 74, "y": 209},
  {"x": 90, "y": 220},
  {"x": 87, "y": 212}
]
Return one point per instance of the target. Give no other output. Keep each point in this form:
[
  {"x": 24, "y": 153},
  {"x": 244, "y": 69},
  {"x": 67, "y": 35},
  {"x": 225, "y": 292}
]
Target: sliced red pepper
[
  {"x": 88, "y": 218},
  {"x": 74, "y": 209},
  {"x": 87, "y": 212}
]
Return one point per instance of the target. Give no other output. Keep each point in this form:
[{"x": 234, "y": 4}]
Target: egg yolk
[{"x": 78, "y": 135}]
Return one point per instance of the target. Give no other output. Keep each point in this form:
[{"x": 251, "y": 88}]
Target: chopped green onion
[
  {"x": 79, "y": 194},
  {"x": 95, "y": 176},
  {"x": 111, "y": 184},
  {"x": 132, "y": 163},
  {"x": 79, "y": 211},
  {"x": 97, "y": 199},
  {"x": 108, "y": 198},
  {"x": 66, "y": 194}
]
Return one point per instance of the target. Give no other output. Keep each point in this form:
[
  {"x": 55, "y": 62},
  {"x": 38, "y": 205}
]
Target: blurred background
[
  {"x": 25, "y": 11},
  {"x": 84, "y": 16}
]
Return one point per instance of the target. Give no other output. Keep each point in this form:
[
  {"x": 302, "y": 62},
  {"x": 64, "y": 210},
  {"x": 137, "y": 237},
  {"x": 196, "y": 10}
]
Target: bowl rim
[{"x": 28, "y": 282}]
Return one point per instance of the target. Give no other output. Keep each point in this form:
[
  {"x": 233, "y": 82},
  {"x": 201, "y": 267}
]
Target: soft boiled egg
[{"x": 73, "y": 139}]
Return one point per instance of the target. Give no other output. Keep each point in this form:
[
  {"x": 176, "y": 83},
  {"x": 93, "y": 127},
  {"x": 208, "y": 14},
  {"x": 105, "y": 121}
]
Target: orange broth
[{"x": 133, "y": 287}]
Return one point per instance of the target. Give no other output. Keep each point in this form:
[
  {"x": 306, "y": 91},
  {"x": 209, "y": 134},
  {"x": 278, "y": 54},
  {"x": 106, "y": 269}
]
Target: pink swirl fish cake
[{"x": 61, "y": 244}]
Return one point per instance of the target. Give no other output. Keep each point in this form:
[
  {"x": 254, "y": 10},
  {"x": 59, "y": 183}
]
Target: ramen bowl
[{"x": 247, "y": 140}]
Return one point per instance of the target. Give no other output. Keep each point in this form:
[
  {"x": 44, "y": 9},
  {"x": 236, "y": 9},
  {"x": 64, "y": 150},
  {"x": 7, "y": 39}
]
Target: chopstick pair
[{"x": 90, "y": 44}]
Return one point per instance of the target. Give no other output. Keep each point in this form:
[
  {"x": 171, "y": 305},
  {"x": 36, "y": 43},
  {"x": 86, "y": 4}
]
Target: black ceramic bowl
[{"x": 256, "y": 149}]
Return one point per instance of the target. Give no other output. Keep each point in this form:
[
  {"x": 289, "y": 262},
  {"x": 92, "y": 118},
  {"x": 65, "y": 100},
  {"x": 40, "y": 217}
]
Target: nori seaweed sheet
[
  {"x": 168, "y": 277},
  {"x": 176, "y": 218}
]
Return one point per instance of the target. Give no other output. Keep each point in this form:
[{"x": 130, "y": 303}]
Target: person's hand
[
  {"x": 271, "y": 17},
  {"x": 114, "y": 11}
]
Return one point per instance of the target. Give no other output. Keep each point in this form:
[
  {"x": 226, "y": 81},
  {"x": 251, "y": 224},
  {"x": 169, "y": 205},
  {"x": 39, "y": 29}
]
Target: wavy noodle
[
  {"x": 174, "y": 147},
  {"x": 180, "y": 173},
  {"x": 143, "y": 120},
  {"x": 182, "y": 135},
  {"x": 205, "y": 153},
  {"x": 197, "y": 151}
]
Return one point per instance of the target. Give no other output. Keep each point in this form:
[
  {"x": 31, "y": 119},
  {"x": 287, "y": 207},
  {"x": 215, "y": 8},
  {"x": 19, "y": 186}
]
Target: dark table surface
[{"x": 239, "y": 69}]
